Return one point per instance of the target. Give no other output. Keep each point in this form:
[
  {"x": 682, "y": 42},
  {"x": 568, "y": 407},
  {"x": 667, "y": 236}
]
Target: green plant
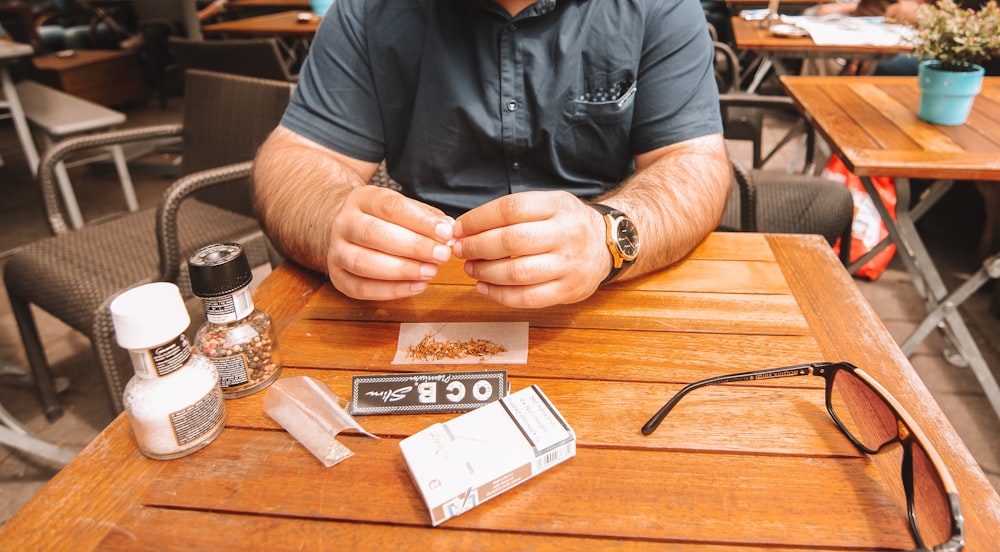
[{"x": 957, "y": 36}]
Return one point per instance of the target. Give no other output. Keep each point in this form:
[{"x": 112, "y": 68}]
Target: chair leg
[
  {"x": 44, "y": 383},
  {"x": 126, "y": 179},
  {"x": 69, "y": 197},
  {"x": 845, "y": 246}
]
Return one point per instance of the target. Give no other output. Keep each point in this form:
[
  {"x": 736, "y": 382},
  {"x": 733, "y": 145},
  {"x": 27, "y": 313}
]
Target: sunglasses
[{"x": 872, "y": 419}]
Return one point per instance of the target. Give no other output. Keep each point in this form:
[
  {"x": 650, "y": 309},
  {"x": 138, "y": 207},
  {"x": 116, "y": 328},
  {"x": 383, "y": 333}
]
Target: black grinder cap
[{"x": 219, "y": 269}]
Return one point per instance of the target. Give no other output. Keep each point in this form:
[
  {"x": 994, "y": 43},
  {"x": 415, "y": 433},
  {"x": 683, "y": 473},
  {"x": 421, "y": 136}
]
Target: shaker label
[
  {"x": 172, "y": 356},
  {"x": 199, "y": 418},
  {"x": 228, "y": 308},
  {"x": 232, "y": 370}
]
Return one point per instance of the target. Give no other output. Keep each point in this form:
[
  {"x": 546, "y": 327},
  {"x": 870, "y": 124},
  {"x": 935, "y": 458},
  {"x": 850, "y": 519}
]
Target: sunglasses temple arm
[{"x": 786, "y": 372}]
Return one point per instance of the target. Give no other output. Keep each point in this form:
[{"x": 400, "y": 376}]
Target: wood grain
[{"x": 873, "y": 124}]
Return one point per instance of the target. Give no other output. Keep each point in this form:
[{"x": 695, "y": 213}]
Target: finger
[
  {"x": 550, "y": 293},
  {"x": 375, "y": 290},
  {"x": 517, "y": 271},
  {"x": 508, "y": 210},
  {"x": 385, "y": 220},
  {"x": 522, "y": 239},
  {"x": 369, "y": 232},
  {"x": 416, "y": 216},
  {"x": 371, "y": 264}
]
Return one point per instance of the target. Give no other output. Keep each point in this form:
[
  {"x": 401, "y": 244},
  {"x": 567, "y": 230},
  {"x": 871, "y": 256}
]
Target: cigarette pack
[{"x": 472, "y": 458}]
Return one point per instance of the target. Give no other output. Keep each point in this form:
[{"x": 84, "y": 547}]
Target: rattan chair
[
  {"x": 75, "y": 275},
  {"x": 777, "y": 201}
]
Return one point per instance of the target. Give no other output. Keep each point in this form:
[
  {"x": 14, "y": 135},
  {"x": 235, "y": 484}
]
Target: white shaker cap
[{"x": 149, "y": 315}]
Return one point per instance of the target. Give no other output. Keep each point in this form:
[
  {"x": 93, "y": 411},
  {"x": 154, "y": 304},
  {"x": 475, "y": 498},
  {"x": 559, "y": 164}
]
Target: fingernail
[
  {"x": 444, "y": 231},
  {"x": 442, "y": 253},
  {"x": 418, "y": 287},
  {"x": 456, "y": 248},
  {"x": 428, "y": 270}
]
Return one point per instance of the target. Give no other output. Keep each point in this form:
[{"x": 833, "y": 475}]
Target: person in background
[
  {"x": 508, "y": 124},
  {"x": 862, "y": 8}
]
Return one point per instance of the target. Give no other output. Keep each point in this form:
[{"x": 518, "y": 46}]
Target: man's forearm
[
  {"x": 676, "y": 199},
  {"x": 298, "y": 188}
]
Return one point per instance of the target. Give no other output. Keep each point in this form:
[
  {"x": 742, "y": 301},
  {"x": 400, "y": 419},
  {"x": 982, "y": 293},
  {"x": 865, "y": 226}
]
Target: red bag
[{"x": 867, "y": 230}]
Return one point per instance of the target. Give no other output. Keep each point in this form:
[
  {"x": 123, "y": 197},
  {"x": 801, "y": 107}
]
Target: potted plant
[{"x": 952, "y": 41}]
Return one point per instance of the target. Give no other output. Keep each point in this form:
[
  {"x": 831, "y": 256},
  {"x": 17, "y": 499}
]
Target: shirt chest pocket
[{"x": 596, "y": 125}]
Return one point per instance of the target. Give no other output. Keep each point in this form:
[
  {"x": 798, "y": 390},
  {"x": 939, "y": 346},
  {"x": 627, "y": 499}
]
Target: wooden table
[
  {"x": 284, "y": 23},
  {"x": 749, "y": 466},
  {"x": 294, "y": 34},
  {"x": 872, "y": 123},
  {"x": 775, "y": 50},
  {"x": 248, "y": 8},
  {"x": 106, "y": 77},
  {"x": 282, "y": 4}
]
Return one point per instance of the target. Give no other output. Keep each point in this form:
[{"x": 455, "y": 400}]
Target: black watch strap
[{"x": 619, "y": 261}]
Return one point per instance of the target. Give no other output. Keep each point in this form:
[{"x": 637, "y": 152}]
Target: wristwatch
[{"x": 622, "y": 238}]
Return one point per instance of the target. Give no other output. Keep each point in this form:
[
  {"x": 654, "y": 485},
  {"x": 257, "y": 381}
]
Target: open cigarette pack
[{"x": 472, "y": 458}]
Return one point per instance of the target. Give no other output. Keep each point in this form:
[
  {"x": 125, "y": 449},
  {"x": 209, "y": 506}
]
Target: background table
[
  {"x": 753, "y": 466},
  {"x": 294, "y": 35},
  {"x": 284, "y": 23},
  {"x": 872, "y": 123},
  {"x": 775, "y": 49}
]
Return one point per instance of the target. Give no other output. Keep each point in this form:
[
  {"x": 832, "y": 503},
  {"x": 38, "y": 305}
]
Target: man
[{"x": 498, "y": 119}]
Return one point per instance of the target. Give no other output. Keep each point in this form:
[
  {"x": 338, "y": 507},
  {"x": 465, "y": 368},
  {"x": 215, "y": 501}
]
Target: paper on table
[
  {"x": 840, "y": 30},
  {"x": 512, "y": 336}
]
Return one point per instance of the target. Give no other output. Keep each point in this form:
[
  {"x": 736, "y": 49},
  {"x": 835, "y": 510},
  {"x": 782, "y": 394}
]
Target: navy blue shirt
[{"x": 466, "y": 103}]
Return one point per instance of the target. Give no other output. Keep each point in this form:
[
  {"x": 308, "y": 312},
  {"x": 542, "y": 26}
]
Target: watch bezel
[
  {"x": 622, "y": 256},
  {"x": 626, "y": 240}
]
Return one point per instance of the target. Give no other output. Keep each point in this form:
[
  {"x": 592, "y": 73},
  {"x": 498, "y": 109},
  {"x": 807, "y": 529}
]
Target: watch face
[{"x": 627, "y": 238}]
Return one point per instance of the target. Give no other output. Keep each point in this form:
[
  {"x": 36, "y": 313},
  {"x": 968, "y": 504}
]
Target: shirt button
[
  {"x": 516, "y": 165},
  {"x": 512, "y": 27},
  {"x": 512, "y": 106}
]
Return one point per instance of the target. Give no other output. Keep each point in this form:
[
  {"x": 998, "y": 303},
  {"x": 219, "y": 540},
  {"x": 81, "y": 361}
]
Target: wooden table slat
[
  {"x": 581, "y": 353},
  {"x": 606, "y": 309},
  {"x": 604, "y": 413},
  {"x": 725, "y": 496},
  {"x": 168, "y": 530}
]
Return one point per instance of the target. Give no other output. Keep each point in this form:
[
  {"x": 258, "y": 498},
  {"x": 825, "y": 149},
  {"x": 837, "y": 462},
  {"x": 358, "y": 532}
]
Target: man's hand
[
  {"x": 534, "y": 249},
  {"x": 384, "y": 245}
]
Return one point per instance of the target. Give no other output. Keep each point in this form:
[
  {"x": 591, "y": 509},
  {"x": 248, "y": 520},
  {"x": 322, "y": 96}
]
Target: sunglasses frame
[{"x": 908, "y": 435}]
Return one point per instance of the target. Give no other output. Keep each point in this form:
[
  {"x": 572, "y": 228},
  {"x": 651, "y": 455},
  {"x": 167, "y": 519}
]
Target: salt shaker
[
  {"x": 173, "y": 401},
  {"x": 237, "y": 337}
]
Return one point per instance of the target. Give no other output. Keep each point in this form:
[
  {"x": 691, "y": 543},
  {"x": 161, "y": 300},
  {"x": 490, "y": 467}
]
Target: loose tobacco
[{"x": 432, "y": 349}]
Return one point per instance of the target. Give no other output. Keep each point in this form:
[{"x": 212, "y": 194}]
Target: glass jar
[
  {"x": 173, "y": 402},
  {"x": 237, "y": 337}
]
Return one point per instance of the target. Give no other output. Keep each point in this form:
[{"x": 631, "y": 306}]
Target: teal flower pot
[
  {"x": 320, "y": 7},
  {"x": 946, "y": 96}
]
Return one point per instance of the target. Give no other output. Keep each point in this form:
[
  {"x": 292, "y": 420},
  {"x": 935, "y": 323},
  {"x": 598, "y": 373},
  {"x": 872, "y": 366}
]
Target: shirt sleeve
[
  {"x": 335, "y": 102},
  {"x": 677, "y": 97}
]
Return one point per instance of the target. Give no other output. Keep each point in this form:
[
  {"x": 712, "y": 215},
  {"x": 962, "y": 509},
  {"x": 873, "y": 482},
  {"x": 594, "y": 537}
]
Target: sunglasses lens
[
  {"x": 862, "y": 411},
  {"x": 930, "y": 500}
]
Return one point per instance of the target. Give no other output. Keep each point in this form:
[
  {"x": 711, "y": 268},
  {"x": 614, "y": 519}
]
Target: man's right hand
[{"x": 384, "y": 245}]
